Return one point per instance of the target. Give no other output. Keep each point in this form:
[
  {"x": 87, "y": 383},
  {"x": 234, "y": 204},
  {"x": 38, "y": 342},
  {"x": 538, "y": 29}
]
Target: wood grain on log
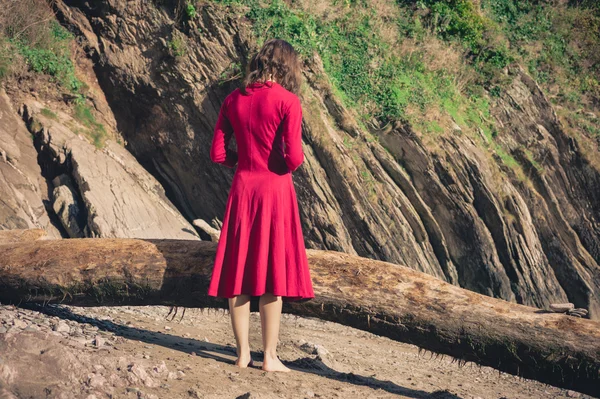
[
  {"x": 382, "y": 298},
  {"x": 12, "y": 236}
]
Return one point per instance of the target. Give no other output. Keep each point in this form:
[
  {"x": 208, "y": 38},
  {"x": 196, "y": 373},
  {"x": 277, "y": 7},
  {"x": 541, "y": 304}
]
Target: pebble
[
  {"x": 195, "y": 393},
  {"x": 62, "y": 326},
  {"x": 161, "y": 368},
  {"x": 99, "y": 341},
  {"x": 96, "y": 381},
  {"x": 19, "y": 323},
  {"x": 172, "y": 376}
]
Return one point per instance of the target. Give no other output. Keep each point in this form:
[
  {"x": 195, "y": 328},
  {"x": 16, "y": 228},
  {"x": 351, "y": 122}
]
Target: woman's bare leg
[
  {"x": 239, "y": 308},
  {"x": 269, "y": 307}
]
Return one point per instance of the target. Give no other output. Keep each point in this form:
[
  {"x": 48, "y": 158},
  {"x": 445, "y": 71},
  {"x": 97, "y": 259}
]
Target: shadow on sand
[{"x": 214, "y": 351}]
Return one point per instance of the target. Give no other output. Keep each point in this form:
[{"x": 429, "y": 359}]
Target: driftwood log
[{"x": 382, "y": 298}]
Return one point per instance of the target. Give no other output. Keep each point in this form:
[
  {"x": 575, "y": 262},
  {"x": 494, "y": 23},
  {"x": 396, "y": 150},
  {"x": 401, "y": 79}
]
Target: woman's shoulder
[
  {"x": 236, "y": 92},
  {"x": 288, "y": 97}
]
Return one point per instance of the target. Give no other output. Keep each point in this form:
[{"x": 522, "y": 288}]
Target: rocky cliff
[{"x": 528, "y": 233}]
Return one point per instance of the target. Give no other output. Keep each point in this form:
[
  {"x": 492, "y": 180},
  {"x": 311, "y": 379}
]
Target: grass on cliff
[
  {"x": 32, "y": 40},
  {"x": 380, "y": 59},
  {"x": 95, "y": 131},
  {"x": 436, "y": 63},
  {"x": 559, "y": 43}
]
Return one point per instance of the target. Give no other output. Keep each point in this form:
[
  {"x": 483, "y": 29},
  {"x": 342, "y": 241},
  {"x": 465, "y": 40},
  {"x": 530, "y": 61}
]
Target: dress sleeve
[
  {"x": 292, "y": 135},
  {"x": 219, "y": 150}
]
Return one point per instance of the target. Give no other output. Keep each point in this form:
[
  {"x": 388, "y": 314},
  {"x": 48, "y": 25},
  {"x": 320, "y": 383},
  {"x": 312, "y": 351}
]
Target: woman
[{"x": 261, "y": 248}]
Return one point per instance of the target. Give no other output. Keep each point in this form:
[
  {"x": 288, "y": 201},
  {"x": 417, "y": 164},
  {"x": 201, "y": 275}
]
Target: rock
[
  {"x": 115, "y": 380},
  {"x": 140, "y": 373},
  {"x": 7, "y": 374},
  {"x": 573, "y": 394},
  {"x": 99, "y": 341},
  {"x": 96, "y": 380},
  {"x": 103, "y": 193},
  {"x": 19, "y": 323},
  {"x": 580, "y": 311},
  {"x": 161, "y": 368},
  {"x": 314, "y": 349},
  {"x": 67, "y": 206},
  {"x": 195, "y": 393},
  {"x": 20, "y": 176},
  {"x": 61, "y": 327},
  {"x": 561, "y": 307},
  {"x": 172, "y": 375}
]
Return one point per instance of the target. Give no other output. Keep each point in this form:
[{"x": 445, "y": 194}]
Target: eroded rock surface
[
  {"x": 100, "y": 192},
  {"x": 23, "y": 191}
]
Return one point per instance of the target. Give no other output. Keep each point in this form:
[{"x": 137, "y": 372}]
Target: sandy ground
[{"x": 135, "y": 352}]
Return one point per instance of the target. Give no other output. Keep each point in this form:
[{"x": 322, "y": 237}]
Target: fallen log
[
  {"x": 382, "y": 298},
  {"x": 12, "y": 236}
]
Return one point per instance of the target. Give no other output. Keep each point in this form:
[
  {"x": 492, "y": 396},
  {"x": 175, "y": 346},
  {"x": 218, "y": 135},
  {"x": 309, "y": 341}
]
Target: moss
[
  {"x": 94, "y": 130},
  {"x": 178, "y": 45},
  {"x": 48, "y": 113}
]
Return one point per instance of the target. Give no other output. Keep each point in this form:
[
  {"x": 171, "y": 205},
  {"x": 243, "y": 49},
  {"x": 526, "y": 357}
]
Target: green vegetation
[
  {"x": 190, "y": 11},
  {"x": 53, "y": 58},
  {"x": 531, "y": 159},
  {"x": 559, "y": 44},
  {"x": 367, "y": 70},
  {"x": 32, "y": 40},
  {"x": 8, "y": 58},
  {"x": 95, "y": 131},
  {"x": 178, "y": 45},
  {"x": 48, "y": 113},
  {"x": 462, "y": 22},
  {"x": 436, "y": 63}
]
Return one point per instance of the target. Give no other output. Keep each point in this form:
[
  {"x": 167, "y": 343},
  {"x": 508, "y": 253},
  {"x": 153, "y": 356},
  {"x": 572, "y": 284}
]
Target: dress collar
[{"x": 260, "y": 85}]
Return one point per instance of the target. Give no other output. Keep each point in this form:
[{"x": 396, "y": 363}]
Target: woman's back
[
  {"x": 267, "y": 123},
  {"x": 261, "y": 246}
]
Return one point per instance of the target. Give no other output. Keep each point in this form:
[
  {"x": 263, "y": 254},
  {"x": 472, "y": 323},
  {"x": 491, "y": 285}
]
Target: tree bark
[{"x": 382, "y": 298}]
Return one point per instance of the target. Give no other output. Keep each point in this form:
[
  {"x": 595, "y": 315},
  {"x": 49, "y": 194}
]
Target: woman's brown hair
[{"x": 276, "y": 57}]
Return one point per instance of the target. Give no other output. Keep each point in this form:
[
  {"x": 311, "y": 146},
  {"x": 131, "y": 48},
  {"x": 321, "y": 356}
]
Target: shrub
[
  {"x": 178, "y": 45},
  {"x": 29, "y": 29},
  {"x": 190, "y": 11}
]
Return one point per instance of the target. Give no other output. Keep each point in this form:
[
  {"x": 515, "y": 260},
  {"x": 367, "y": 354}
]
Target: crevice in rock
[
  {"x": 56, "y": 173},
  {"x": 433, "y": 232},
  {"x": 490, "y": 213}
]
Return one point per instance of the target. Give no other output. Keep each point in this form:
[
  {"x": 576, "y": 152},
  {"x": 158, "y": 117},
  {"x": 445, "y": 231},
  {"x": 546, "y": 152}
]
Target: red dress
[{"x": 261, "y": 247}]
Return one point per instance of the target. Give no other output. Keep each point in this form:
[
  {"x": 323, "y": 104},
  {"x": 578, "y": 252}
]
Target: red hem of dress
[{"x": 288, "y": 298}]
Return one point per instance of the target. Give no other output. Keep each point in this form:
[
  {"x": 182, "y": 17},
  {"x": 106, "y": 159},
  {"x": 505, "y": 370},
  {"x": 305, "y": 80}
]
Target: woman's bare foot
[
  {"x": 274, "y": 364},
  {"x": 244, "y": 361}
]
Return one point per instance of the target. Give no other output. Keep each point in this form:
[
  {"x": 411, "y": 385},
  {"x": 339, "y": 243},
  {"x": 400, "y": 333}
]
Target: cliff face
[
  {"x": 21, "y": 184},
  {"x": 525, "y": 234}
]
